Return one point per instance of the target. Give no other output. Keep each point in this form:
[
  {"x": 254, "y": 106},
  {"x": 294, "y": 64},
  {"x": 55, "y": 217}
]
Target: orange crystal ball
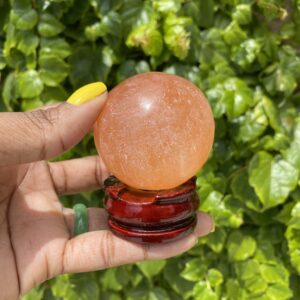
[{"x": 155, "y": 131}]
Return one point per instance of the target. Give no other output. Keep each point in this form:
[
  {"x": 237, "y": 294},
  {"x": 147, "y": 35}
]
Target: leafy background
[{"x": 245, "y": 55}]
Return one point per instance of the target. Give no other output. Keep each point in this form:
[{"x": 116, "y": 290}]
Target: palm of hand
[{"x": 34, "y": 229}]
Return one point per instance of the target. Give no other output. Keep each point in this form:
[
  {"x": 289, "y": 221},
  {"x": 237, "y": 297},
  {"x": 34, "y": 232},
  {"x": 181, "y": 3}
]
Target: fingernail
[{"x": 87, "y": 93}]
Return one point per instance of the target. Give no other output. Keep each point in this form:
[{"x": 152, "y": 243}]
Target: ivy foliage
[{"x": 244, "y": 54}]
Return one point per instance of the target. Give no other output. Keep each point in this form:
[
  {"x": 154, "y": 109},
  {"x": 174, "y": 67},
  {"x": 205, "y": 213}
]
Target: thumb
[{"x": 46, "y": 132}]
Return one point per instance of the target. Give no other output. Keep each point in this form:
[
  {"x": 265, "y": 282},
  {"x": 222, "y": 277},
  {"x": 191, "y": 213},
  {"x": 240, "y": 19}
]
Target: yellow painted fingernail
[{"x": 87, "y": 93}]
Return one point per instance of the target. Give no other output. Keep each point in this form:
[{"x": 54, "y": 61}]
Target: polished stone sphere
[{"x": 155, "y": 131}]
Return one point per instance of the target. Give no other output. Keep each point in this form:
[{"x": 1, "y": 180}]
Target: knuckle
[
  {"x": 63, "y": 186},
  {"x": 107, "y": 250},
  {"x": 45, "y": 123},
  {"x": 44, "y": 118},
  {"x": 67, "y": 255}
]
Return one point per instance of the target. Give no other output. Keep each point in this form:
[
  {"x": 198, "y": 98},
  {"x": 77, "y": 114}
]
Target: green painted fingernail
[{"x": 81, "y": 223}]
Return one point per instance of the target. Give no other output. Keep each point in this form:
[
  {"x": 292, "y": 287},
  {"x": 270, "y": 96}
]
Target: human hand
[{"x": 36, "y": 240}]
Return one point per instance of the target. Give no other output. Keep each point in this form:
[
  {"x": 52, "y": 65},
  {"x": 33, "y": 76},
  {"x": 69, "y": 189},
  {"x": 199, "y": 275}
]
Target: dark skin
[{"x": 35, "y": 229}]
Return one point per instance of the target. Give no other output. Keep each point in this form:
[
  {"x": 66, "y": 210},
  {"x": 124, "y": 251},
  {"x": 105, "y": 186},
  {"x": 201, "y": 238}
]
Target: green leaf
[
  {"x": 234, "y": 292},
  {"x": 94, "y": 31},
  {"x": 288, "y": 117},
  {"x": 248, "y": 54},
  {"x": 61, "y": 286},
  {"x": 233, "y": 34},
  {"x": 214, "y": 96},
  {"x": 243, "y": 191},
  {"x": 112, "y": 24},
  {"x": 103, "y": 7},
  {"x": 274, "y": 273},
  {"x": 49, "y": 26},
  {"x": 278, "y": 142},
  {"x": 214, "y": 277},
  {"x": 292, "y": 155},
  {"x": 30, "y": 104},
  {"x": 256, "y": 285},
  {"x": 151, "y": 268},
  {"x": 27, "y": 42},
  {"x": 237, "y": 97},
  {"x": 242, "y": 14},
  {"x": 53, "y": 94},
  {"x": 21, "y": 4},
  {"x": 24, "y": 19},
  {"x": 295, "y": 213},
  {"x": 130, "y": 67},
  {"x": 264, "y": 251},
  {"x": 35, "y": 294},
  {"x": 177, "y": 283},
  {"x": 53, "y": 70},
  {"x": 260, "y": 296},
  {"x": 273, "y": 232},
  {"x": 138, "y": 293},
  {"x": 272, "y": 178},
  {"x": 167, "y": 6},
  {"x": 123, "y": 274},
  {"x": 109, "y": 280},
  {"x": 285, "y": 214},
  {"x": 282, "y": 77},
  {"x": 158, "y": 293},
  {"x": 279, "y": 291},
  {"x": 188, "y": 72},
  {"x": 272, "y": 9},
  {"x": 273, "y": 114},
  {"x": 136, "y": 278},
  {"x": 247, "y": 269},
  {"x": 110, "y": 296},
  {"x": 55, "y": 46},
  {"x": 240, "y": 247},
  {"x": 4, "y": 12},
  {"x": 250, "y": 126},
  {"x": 224, "y": 210},
  {"x": 9, "y": 92},
  {"x": 202, "y": 291},
  {"x": 135, "y": 13},
  {"x": 216, "y": 240},
  {"x": 87, "y": 65},
  {"x": 206, "y": 13},
  {"x": 2, "y": 59},
  {"x": 29, "y": 84},
  {"x": 11, "y": 39},
  {"x": 195, "y": 270},
  {"x": 31, "y": 62},
  {"x": 293, "y": 237},
  {"x": 76, "y": 11},
  {"x": 84, "y": 287},
  {"x": 147, "y": 37},
  {"x": 14, "y": 58},
  {"x": 176, "y": 36}
]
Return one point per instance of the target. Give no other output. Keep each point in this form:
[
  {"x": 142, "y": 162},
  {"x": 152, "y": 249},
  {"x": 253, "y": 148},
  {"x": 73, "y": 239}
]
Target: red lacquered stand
[{"x": 151, "y": 216}]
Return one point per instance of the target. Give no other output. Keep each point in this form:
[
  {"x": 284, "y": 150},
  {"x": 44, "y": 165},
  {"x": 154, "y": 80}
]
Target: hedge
[{"x": 244, "y": 54}]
